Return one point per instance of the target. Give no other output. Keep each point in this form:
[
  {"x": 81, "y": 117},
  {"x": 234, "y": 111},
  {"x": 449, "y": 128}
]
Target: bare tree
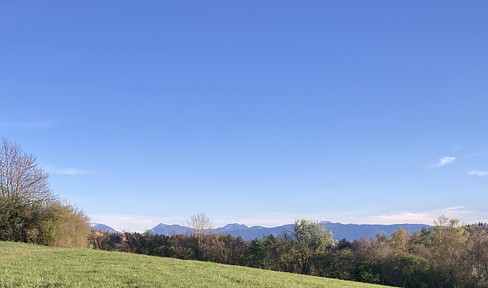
[
  {"x": 200, "y": 225},
  {"x": 21, "y": 179}
]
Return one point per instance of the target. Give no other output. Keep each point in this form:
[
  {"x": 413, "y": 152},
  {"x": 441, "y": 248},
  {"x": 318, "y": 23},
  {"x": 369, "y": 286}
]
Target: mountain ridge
[{"x": 340, "y": 231}]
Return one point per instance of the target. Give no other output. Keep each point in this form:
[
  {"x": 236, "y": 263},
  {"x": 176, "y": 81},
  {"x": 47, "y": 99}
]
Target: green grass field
[{"x": 26, "y": 265}]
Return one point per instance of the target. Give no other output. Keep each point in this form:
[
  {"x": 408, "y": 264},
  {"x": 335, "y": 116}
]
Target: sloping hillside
[{"x": 25, "y": 265}]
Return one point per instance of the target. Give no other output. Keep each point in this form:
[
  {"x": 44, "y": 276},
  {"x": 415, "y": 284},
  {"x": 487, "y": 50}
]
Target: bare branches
[
  {"x": 200, "y": 224},
  {"x": 20, "y": 177}
]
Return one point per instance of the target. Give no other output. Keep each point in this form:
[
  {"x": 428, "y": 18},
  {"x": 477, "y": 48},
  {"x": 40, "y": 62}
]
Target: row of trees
[
  {"x": 445, "y": 255},
  {"x": 29, "y": 210}
]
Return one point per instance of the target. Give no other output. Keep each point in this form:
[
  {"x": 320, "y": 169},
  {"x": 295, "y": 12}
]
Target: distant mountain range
[{"x": 340, "y": 231}]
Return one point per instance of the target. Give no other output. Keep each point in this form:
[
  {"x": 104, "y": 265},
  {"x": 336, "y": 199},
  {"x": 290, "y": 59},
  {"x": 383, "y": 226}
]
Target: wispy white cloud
[
  {"x": 66, "y": 171},
  {"x": 478, "y": 173},
  {"x": 425, "y": 217},
  {"x": 445, "y": 160}
]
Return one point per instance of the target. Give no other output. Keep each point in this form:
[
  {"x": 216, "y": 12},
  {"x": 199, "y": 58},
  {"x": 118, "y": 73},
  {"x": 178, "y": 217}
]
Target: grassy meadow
[{"x": 27, "y": 265}]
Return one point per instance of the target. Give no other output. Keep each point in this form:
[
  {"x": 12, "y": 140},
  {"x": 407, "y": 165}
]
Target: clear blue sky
[{"x": 257, "y": 112}]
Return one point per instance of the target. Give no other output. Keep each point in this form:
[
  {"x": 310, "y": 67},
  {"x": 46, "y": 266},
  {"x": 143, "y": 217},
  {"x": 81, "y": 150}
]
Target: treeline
[
  {"x": 445, "y": 255},
  {"x": 29, "y": 210}
]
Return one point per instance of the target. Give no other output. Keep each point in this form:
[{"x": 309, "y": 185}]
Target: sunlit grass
[{"x": 25, "y": 265}]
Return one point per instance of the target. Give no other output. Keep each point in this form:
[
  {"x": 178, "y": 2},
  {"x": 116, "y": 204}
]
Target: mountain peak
[
  {"x": 102, "y": 227},
  {"x": 165, "y": 229},
  {"x": 233, "y": 227}
]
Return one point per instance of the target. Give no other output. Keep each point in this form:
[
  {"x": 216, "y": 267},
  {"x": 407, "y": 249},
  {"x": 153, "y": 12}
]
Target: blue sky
[{"x": 256, "y": 112}]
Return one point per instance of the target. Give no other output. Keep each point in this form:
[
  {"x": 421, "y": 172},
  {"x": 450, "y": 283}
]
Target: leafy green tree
[
  {"x": 312, "y": 239},
  {"x": 20, "y": 220},
  {"x": 399, "y": 240},
  {"x": 335, "y": 264},
  {"x": 404, "y": 269},
  {"x": 447, "y": 243},
  {"x": 477, "y": 254},
  {"x": 70, "y": 227}
]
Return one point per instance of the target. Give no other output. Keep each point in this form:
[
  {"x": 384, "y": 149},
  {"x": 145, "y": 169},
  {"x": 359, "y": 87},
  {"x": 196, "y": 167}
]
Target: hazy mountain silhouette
[{"x": 340, "y": 231}]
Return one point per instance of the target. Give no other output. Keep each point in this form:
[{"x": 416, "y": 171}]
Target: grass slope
[{"x": 26, "y": 265}]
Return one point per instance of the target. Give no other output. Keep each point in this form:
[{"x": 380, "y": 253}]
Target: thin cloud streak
[
  {"x": 66, "y": 171},
  {"x": 425, "y": 217},
  {"x": 478, "y": 173},
  {"x": 445, "y": 160}
]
